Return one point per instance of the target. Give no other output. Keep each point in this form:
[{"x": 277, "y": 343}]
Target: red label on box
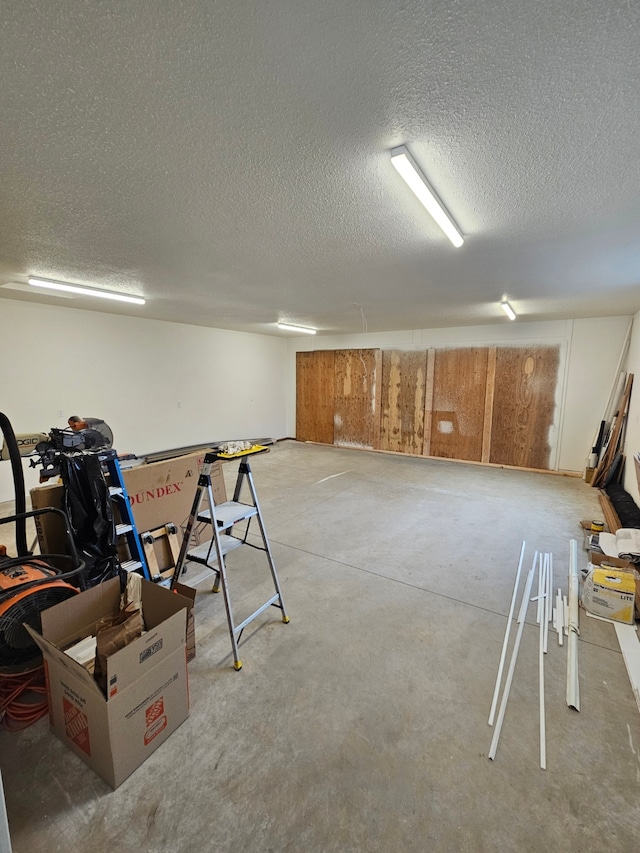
[
  {"x": 155, "y": 730},
  {"x": 156, "y": 720},
  {"x": 155, "y": 710},
  {"x": 76, "y": 726}
]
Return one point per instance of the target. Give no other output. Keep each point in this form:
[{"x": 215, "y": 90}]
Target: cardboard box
[
  {"x": 49, "y": 527},
  {"x": 159, "y": 493},
  {"x": 597, "y": 559},
  {"x": 610, "y": 592},
  {"x": 163, "y": 492},
  {"x": 147, "y": 680}
]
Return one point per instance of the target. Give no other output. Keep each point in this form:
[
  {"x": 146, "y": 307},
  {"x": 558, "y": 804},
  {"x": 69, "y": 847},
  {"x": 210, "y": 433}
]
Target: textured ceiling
[{"x": 230, "y": 162}]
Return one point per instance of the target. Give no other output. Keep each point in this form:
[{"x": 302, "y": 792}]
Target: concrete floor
[{"x": 362, "y": 724}]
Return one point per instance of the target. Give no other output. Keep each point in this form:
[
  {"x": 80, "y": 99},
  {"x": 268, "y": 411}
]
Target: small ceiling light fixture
[
  {"x": 84, "y": 291},
  {"x": 287, "y": 327},
  {"x": 410, "y": 172},
  {"x": 508, "y": 310}
]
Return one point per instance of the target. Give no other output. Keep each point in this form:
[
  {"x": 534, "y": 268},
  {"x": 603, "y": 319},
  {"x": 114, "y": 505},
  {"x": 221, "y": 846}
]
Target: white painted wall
[
  {"x": 632, "y": 440},
  {"x": 162, "y": 385},
  {"x": 158, "y": 385},
  {"x": 589, "y": 352}
]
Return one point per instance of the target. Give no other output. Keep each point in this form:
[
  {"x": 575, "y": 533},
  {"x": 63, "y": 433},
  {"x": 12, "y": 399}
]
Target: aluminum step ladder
[
  {"x": 212, "y": 553},
  {"x": 126, "y": 527}
]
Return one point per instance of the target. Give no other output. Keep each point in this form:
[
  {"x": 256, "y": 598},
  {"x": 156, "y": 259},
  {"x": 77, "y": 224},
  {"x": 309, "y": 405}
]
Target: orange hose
[{"x": 23, "y": 699}]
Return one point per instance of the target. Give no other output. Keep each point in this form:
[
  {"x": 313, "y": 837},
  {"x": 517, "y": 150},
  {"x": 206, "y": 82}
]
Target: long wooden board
[
  {"x": 403, "y": 391},
  {"x": 315, "y": 377},
  {"x": 524, "y": 405},
  {"x": 458, "y": 405},
  {"x": 357, "y": 398}
]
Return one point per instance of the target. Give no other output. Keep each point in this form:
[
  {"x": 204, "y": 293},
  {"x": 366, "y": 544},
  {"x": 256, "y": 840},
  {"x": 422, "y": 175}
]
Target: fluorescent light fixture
[
  {"x": 410, "y": 172},
  {"x": 508, "y": 310},
  {"x": 84, "y": 291},
  {"x": 23, "y": 287},
  {"x": 287, "y": 327}
]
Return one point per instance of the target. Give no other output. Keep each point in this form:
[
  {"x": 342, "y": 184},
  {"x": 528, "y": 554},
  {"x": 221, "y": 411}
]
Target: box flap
[
  {"x": 158, "y": 603},
  {"x": 75, "y": 618},
  {"x": 187, "y": 591},
  {"x": 146, "y": 652},
  {"x": 596, "y": 559},
  {"x": 54, "y": 655}
]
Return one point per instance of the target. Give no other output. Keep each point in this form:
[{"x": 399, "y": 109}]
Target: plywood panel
[
  {"x": 488, "y": 404},
  {"x": 315, "y": 376},
  {"x": 403, "y": 388},
  {"x": 428, "y": 402},
  {"x": 459, "y": 390},
  {"x": 357, "y": 398},
  {"x": 524, "y": 405}
]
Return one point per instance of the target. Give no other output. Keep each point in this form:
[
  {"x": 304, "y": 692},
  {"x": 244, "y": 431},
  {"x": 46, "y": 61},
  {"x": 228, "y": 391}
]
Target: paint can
[{"x": 597, "y": 526}]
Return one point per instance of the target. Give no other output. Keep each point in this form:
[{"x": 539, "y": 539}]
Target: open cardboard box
[{"x": 148, "y": 694}]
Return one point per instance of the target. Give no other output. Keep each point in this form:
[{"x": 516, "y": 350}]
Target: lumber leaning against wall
[{"x": 490, "y": 404}]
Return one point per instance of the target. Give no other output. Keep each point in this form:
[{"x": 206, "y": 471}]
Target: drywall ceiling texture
[{"x": 230, "y": 161}]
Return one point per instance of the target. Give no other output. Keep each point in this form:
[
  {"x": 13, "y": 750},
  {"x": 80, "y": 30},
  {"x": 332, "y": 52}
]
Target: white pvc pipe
[
  {"x": 512, "y": 664},
  {"x": 573, "y": 683},
  {"x": 547, "y": 600},
  {"x": 540, "y": 591},
  {"x": 560, "y": 618},
  {"x": 541, "y": 650},
  {"x": 505, "y": 641}
]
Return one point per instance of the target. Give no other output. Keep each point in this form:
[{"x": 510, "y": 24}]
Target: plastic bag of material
[{"x": 90, "y": 511}]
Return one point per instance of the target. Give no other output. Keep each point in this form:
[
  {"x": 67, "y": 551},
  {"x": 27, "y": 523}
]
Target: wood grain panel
[
  {"x": 315, "y": 377},
  {"x": 357, "y": 398},
  {"x": 459, "y": 390},
  {"x": 403, "y": 388},
  {"x": 488, "y": 404},
  {"x": 524, "y": 405},
  {"x": 428, "y": 402}
]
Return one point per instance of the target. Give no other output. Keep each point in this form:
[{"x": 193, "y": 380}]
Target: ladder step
[
  {"x": 206, "y": 552},
  {"x": 121, "y": 529},
  {"x": 229, "y": 513},
  {"x": 131, "y": 565}
]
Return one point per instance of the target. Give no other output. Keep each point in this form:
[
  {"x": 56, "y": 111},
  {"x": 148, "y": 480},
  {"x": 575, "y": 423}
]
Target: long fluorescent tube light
[
  {"x": 85, "y": 291},
  {"x": 287, "y": 327},
  {"x": 508, "y": 310},
  {"x": 410, "y": 172}
]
